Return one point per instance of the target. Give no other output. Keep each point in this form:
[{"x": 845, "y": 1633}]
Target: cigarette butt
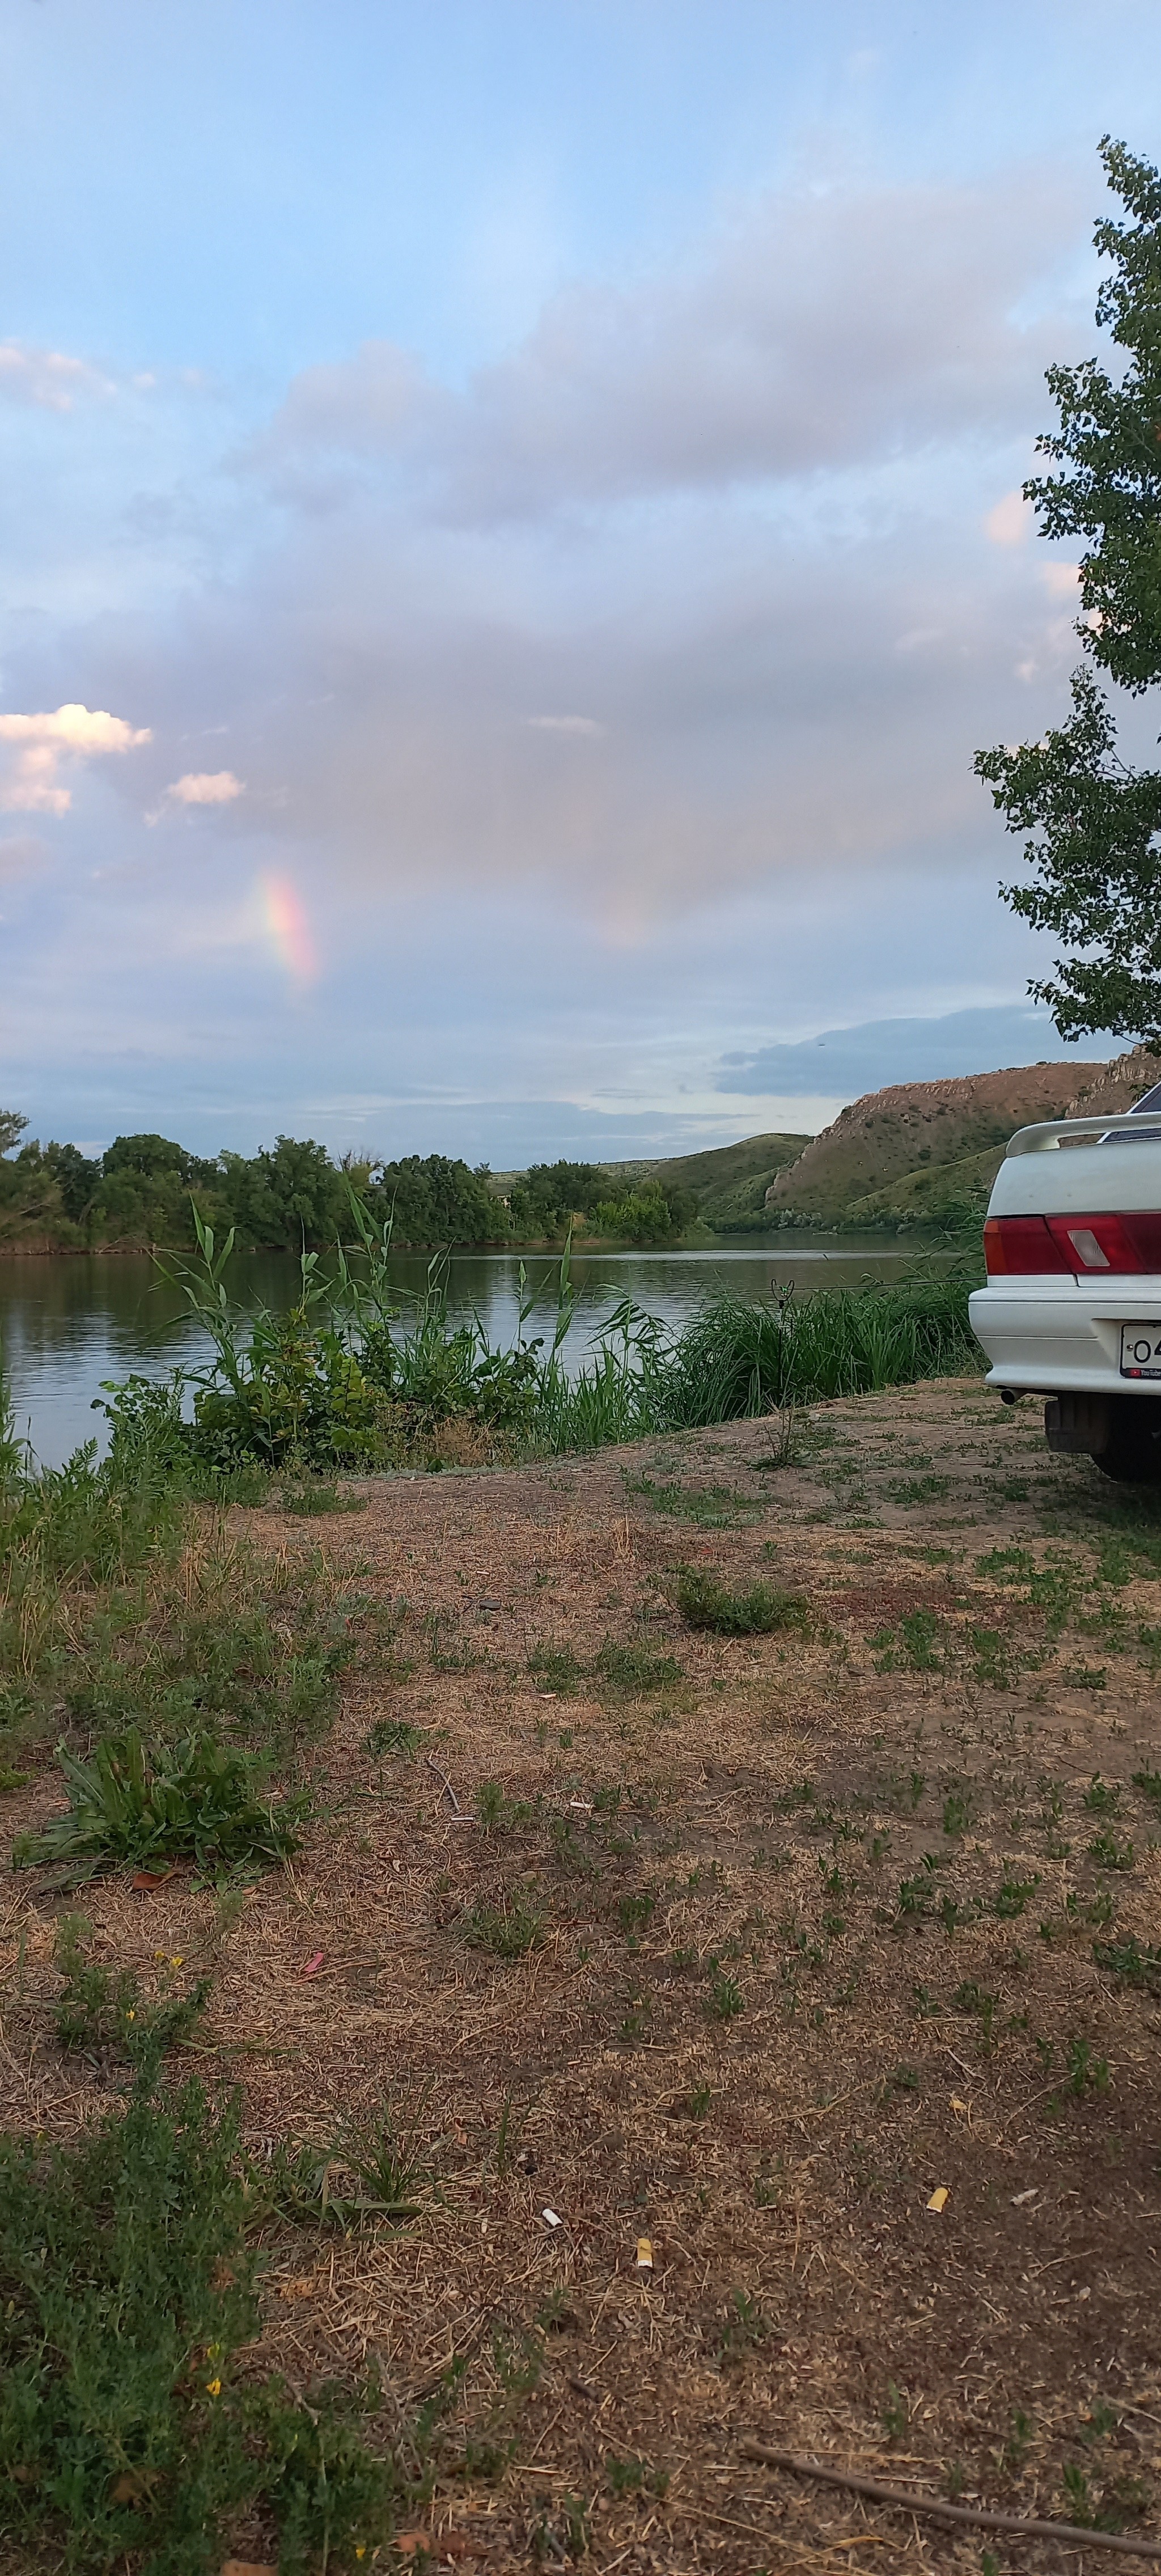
[
  {"x": 644, "y": 2261},
  {"x": 550, "y": 2218},
  {"x": 939, "y": 2200}
]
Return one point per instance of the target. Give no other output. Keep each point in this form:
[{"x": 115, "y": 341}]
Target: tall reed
[{"x": 360, "y": 1370}]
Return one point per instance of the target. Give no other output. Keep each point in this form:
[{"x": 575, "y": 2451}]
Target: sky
[{"x": 513, "y": 538}]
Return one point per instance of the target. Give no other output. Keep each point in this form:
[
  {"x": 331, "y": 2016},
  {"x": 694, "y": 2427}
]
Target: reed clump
[{"x": 357, "y": 1374}]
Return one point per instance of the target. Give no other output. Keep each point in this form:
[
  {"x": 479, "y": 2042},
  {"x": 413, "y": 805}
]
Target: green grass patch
[
  {"x": 758, "y": 1611},
  {"x": 635, "y": 1669},
  {"x": 509, "y": 1930},
  {"x": 709, "y": 1506},
  {"x": 128, "y": 2434},
  {"x": 139, "y": 1805}
]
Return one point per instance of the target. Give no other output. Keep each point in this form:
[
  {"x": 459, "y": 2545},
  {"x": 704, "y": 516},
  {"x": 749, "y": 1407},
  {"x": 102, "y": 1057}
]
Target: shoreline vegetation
[
  {"x": 147, "y": 1193},
  {"x": 359, "y": 1374}
]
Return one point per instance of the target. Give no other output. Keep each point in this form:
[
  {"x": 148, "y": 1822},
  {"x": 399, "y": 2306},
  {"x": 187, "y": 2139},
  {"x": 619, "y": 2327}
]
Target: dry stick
[
  {"x": 442, "y": 1775},
  {"x": 1079, "y": 2535}
]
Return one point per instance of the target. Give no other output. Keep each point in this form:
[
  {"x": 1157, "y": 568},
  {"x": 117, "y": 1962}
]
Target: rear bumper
[{"x": 1063, "y": 1336}]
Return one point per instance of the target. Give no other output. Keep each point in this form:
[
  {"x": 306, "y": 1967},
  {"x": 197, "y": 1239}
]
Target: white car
[{"x": 1072, "y": 1308}]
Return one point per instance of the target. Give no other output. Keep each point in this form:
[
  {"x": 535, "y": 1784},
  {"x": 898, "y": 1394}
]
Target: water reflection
[{"x": 68, "y": 1323}]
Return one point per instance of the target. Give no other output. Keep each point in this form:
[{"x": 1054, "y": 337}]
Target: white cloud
[
  {"x": 46, "y": 377},
  {"x": 41, "y": 742},
  {"x": 206, "y": 787},
  {"x": 1011, "y": 522}
]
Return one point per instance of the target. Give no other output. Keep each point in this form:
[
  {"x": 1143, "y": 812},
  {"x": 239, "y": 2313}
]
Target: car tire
[{"x": 1133, "y": 1454}]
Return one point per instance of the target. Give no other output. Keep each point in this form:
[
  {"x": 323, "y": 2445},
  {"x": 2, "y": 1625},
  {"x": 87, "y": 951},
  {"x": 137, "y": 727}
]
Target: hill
[
  {"x": 1117, "y": 1085},
  {"x": 924, "y": 1152},
  {"x": 728, "y": 1183}
]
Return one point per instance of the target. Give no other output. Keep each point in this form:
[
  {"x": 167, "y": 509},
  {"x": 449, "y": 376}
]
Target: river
[{"x": 68, "y": 1322}]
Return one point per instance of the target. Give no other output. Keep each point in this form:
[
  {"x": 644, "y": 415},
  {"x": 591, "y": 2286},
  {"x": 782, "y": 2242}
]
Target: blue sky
[{"x": 532, "y": 491}]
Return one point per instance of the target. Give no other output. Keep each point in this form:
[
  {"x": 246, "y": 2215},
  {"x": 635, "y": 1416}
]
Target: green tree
[
  {"x": 647, "y": 1214},
  {"x": 286, "y": 1195},
  {"x": 144, "y": 1193},
  {"x": 551, "y": 1194},
  {"x": 1092, "y": 820},
  {"x": 436, "y": 1200}
]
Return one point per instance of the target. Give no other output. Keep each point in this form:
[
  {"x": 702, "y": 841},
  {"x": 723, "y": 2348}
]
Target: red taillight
[
  {"x": 1020, "y": 1246},
  {"x": 1091, "y": 1247}
]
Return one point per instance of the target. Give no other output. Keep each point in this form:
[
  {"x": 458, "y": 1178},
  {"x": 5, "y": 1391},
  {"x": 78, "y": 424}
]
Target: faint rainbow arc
[{"x": 287, "y": 926}]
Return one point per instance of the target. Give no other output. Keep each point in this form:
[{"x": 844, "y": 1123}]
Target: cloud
[
  {"x": 40, "y": 742},
  {"x": 565, "y": 724},
  {"x": 855, "y": 1060},
  {"x": 206, "y": 787},
  {"x": 45, "y": 377},
  {"x": 1011, "y": 521},
  {"x": 1061, "y": 580},
  {"x": 662, "y": 647},
  {"x": 21, "y": 853},
  {"x": 822, "y": 327}
]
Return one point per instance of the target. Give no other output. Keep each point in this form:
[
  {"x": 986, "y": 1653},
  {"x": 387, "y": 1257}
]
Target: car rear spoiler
[{"x": 1059, "y": 1132}]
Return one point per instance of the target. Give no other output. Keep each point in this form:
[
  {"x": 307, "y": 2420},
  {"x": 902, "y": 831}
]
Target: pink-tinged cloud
[
  {"x": 46, "y": 377},
  {"x": 206, "y": 787},
  {"x": 1061, "y": 581},
  {"x": 29, "y": 784},
  {"x": 287, "y": 925},
  {"x": 1011, "y": 520}
]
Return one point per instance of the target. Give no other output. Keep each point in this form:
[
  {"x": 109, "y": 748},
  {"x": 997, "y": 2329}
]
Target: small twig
[
  {"x": 442, "y": 1775},
  {"x": 1080, "y": 2536}
]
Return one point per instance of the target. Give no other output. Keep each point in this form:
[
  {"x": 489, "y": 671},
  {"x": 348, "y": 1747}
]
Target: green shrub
[
  {"x": 127, "y": 2290},
  {"x": 137, "y": 1805},
  {"x": 757, "y": 1612}
]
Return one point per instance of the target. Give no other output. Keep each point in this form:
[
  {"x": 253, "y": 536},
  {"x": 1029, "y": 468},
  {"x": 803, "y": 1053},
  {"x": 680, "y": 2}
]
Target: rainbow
[{"x": 287, "y": 926}]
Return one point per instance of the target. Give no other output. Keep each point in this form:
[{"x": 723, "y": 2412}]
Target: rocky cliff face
[
  {"x": 1117, "y": 1085},
  {"x": 911, "y": 1127}
]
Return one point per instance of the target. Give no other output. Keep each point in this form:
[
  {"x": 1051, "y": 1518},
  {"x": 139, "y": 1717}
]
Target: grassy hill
[
  {"x": 728, "y": 1182},
  {"x": 923, "y": 1152}
]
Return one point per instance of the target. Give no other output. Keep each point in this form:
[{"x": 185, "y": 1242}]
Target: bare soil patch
[{"x": 746, "y": 1946}]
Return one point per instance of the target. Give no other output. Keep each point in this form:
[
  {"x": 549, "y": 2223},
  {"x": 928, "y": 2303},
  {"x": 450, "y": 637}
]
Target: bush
[
  {"x": 644, "y": 1215},
  {"x": 706, "y": 1603}
]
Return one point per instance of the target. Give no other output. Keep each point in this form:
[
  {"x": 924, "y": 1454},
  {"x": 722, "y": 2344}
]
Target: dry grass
[{"x": 749, "y": 2028}]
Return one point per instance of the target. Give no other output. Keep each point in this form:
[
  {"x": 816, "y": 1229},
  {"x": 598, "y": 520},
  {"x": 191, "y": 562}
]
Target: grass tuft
[
  {"x": 755, "y": 1612},
  {"x": 136, "y": 1805}
]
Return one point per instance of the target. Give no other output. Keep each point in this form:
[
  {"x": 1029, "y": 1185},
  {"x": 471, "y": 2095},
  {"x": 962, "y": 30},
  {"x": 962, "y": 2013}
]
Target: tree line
[{"x": 142, "y": 1192}]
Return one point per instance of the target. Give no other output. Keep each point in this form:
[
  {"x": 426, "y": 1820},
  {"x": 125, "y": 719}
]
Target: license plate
[{"x": 1141, "y": 1350}]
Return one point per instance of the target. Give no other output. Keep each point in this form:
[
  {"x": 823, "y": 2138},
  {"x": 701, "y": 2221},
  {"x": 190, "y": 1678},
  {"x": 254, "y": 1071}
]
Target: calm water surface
[{"x": 66, "y": 1322}]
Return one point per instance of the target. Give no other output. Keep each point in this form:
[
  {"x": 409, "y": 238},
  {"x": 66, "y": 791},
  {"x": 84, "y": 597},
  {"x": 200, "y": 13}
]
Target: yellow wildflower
[{"x": 213, "y": 2387}]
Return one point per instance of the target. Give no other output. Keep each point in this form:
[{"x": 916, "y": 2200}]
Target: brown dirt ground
[{"x": 756, "y": 2026}]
